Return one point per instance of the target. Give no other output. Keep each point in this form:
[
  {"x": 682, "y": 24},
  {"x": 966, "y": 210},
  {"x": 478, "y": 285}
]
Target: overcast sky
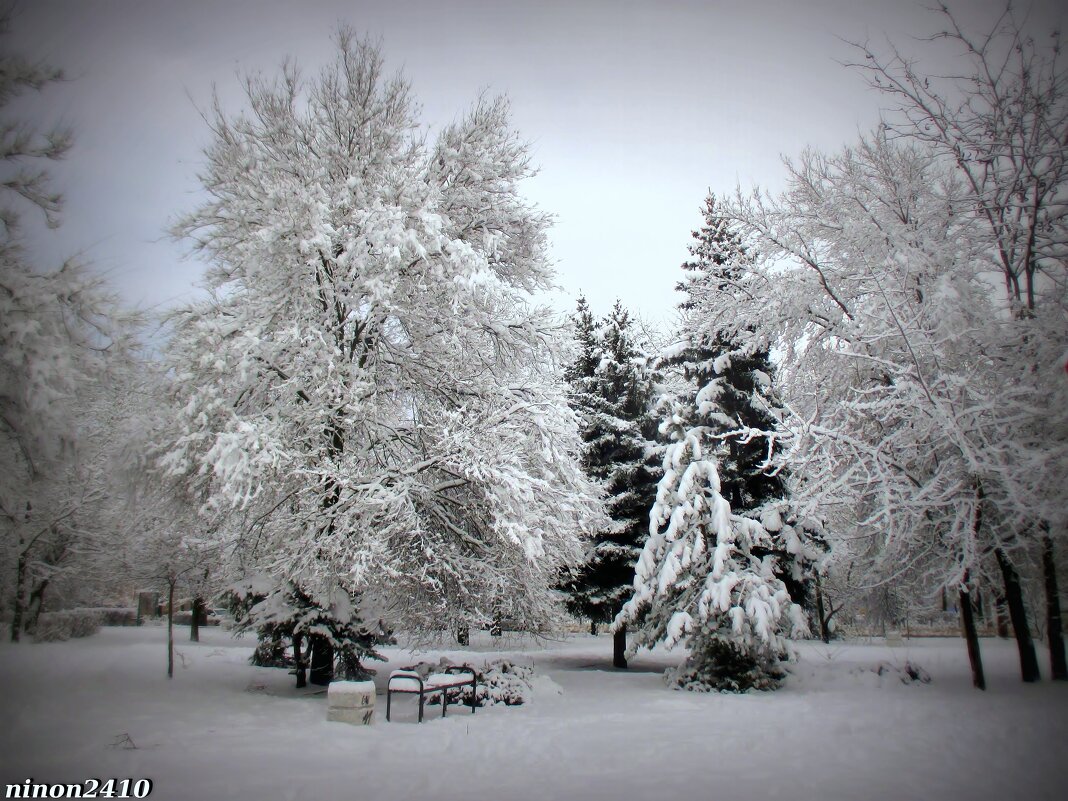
[{"x": 633, "y": 109}]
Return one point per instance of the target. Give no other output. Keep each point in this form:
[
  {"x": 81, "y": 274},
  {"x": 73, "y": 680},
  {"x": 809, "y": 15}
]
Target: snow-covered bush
[
  {"x": 73, "y": 623},
  {"x": 503, "y": 682},
  {"x": 718, "y": 664},
  {"x": 500, "y": 681}
]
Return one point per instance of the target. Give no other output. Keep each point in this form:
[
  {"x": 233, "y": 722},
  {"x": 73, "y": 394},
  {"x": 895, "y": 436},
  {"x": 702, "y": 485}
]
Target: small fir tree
[
  {"x": 611, "y": 391},
  {"x": 323, "y": 630}
]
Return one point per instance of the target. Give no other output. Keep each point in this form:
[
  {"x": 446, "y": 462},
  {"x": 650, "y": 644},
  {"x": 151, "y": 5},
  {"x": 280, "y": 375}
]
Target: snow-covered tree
[
  {"x": 60, "y": 333},
  {"x": 370, "y": 393},
  {"x": 722, "y": 543},
  {"x": 910, "y": 419},
  {"x": 701, "y": 578},
  {"x": 727, "y": 368},
  {"x": 612, "y": 392},
  {"x": 169, "y": 551},
  {"x": 1000, "y": 121},
  {"x": 288, "y": 617}
]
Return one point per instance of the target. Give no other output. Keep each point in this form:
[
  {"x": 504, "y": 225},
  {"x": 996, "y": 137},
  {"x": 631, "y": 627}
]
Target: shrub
[
  {"x": 499, "y": 682},
  {"x": 719, "y": 665},
  {"x": 59, "y": 626}
]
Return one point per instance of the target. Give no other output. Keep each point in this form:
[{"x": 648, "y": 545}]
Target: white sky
[{"x": 634, "y": 110}]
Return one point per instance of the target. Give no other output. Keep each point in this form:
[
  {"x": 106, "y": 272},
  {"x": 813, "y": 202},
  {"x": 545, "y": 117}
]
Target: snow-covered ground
[{"x": 838, "y": 730}]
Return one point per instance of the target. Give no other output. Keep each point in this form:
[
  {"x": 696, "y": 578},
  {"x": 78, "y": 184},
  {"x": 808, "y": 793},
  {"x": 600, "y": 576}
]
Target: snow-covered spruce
[
  {"x": 369, "y": 398},
  {"x": 700, "y": 578},
  {"x": 611, "y": 391},
  {"x": 711, "y": 574},
  {"x": 305, "y": 632}
]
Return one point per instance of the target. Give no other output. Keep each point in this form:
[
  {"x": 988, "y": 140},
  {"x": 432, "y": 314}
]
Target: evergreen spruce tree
[
  {"x": 324, "y": 632},
  {"x": 728, "y": 376},
  {"x": 722, "y": 566},
  {"x": 611, "y": 391}
]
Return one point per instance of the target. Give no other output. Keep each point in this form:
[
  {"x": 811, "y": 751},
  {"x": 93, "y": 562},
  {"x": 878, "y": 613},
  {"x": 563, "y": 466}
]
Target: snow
[
  {"x": 351, "y": 687},
  {"x": 845, "y": 726}
]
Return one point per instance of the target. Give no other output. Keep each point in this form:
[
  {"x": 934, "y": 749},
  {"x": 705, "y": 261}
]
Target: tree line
[{"x": 370, "y": 422}]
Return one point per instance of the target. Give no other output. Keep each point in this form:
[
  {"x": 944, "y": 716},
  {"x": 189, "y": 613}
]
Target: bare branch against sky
[{"x": 634, "y": 109}]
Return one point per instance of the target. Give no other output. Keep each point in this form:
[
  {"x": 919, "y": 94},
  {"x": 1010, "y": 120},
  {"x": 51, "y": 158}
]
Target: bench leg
[
  {"x": 444, "y": 701},
  {"x": 420, "y": 707},
  {"x": 474, "y": 693},
  {"x": 389, "y": 697}
]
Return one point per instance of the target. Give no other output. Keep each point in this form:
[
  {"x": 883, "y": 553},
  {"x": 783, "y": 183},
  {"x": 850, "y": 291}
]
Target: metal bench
[{"x": 407, "y": 680}]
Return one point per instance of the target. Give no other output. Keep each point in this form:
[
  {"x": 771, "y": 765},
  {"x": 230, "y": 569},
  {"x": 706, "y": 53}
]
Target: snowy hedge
[{"x": 72, "y": 623}]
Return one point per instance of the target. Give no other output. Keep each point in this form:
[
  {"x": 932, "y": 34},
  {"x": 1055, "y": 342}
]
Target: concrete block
[
  {"x": 357, "y": 716},
  {"x": 351, "y": 694},
  {"x": 351, "y": 702}
]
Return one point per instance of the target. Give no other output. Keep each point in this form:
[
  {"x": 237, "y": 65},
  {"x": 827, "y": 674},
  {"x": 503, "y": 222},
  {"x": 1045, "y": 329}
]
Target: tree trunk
[
  {"x": 463, "y": 635},
  {"x": 322, "y": 661},
  {"x": 593, "y": 627},
  {"x": 1001, "y": 617},
  {"x": 1057, "y": 665},
  {"x": 33, "y": 609},
  {"x": 619, "y": 647},
  {"x": 298, "y": 662},
  {"x": 170, "y": 630},
  {"x": 497, "y": 626},
  {"x": 17, "y": 605},
  {"x": 971, "y": 635},
  {"x": 195, "y": 618},
  {"x": 825, "y": 629},
  {"x": 1018, "y": 615}
]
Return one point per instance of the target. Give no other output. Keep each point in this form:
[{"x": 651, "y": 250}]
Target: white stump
[{"x": 351, "y": 702}]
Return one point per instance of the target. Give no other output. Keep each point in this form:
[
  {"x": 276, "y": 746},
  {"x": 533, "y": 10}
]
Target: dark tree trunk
[
  {"x": 497, "y": 626},
  {"x": 825, "y": 629},
  {"x": 298, "y": 662},
  {"x": 322, "y": 661},
  {"x": 1018, "y": 615},
  {"x": 33, "y": 609},
  {"x": 463, "y": 635},
  {"x": 1057, "y": 665},
  {"x": 195, "y": 619},
  {"x": 971, "y": 635},
  {"x": 619, "y": 647},
  {"x": 1001, "y": 617},
  {"x": 170, "y": 630},
  {"x": 17, "y": 605},
  {"x": 593, "y": 627},
  {"x": 945, "y": 599}
]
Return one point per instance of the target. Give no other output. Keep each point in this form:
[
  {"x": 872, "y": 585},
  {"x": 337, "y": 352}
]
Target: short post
[{"x": 351, "y": 702}]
